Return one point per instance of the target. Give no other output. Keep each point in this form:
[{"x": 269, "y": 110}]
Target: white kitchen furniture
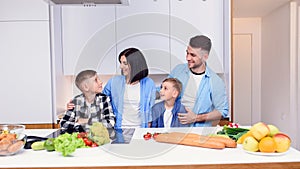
[{"x": 140, "y": 153}]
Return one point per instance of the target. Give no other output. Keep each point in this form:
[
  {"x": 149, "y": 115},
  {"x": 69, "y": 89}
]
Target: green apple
[
  {"x": 273, "y": 130},
  {"x": 250, "y": 144}
]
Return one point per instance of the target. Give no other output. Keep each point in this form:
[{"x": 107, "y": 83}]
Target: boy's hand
[
  {"x": 70, "y": 105},
  {"x": 82, "y": 120}
]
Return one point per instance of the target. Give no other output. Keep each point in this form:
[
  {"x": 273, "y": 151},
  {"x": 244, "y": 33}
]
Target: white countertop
[{"x": 140, "y": 153}]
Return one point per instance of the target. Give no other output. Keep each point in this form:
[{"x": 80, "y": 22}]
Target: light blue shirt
[
  {"x": 211, "y": 93},
  {"x": 115, "y": 89}
]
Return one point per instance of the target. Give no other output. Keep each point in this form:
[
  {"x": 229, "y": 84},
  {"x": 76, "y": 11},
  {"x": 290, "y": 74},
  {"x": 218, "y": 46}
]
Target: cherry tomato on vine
[
  {"x": 147, "y": 136},
  {"x": 155, "y": 135},
  {"x": 82, "y": 135},
  {"x": 87, "y": 142},
  {"x": 94, "y": 144}
]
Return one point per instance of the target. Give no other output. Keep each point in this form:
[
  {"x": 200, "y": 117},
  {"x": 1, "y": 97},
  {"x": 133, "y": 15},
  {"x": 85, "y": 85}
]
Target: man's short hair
[
  {"x": 200, "y": 41},
  {"x": 84, "y": 75}
]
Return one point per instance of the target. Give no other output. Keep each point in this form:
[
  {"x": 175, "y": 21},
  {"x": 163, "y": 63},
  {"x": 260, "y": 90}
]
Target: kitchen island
[{"x": 140, "y": 153}]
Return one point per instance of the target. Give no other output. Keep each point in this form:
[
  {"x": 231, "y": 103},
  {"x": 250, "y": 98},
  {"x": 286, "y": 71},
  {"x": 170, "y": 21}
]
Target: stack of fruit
[{"x": 265, "y": 138}]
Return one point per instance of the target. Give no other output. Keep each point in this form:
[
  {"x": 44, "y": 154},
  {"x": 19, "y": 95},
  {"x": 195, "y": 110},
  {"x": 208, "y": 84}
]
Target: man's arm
[{"x": 191, "y": 117}]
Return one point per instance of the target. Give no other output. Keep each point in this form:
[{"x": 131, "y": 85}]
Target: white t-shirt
[
  {"x": 168, "y": 118},
  {"x": 190, "y": 94},
  {"x": 131, "y": 114}
]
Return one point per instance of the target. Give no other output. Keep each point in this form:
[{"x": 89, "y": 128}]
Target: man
[{"x": 204, "y": 92}]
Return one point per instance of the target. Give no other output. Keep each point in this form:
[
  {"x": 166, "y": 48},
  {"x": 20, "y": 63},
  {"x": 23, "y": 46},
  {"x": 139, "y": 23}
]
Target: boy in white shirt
[{"x": 165, "y": 113}]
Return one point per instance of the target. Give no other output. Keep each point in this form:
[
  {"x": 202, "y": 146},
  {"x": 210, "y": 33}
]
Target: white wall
[
  {"x": 278, "y": 81},
  {"x": 275, "y": 67}
]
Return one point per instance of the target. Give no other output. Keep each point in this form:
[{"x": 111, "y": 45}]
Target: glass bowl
[
  {"x": 12, "y": 128},
  {"x": 12, "y": 139}
]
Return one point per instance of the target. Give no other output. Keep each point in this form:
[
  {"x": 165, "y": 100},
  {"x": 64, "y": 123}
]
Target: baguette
[
  {"x": 229, "y": 143},
  {"x": 196, "y": 140},
  {"x": 180, "y": 138}
]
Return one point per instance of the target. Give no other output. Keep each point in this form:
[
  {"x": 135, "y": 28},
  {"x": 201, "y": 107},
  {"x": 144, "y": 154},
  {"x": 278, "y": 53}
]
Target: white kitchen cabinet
[
  {"x": 20, "y": 10},
  {"x": 196, "y": 17},
  {"x": 145, "y": 25},
  {"x": 94, "y": 36},
  {"x": 25, "y": 72},
  {"x": 88, "y": 37}
]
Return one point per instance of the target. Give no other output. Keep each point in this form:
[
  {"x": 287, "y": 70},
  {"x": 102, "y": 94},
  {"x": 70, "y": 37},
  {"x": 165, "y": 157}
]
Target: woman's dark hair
[{"x": 137, "y": 62}]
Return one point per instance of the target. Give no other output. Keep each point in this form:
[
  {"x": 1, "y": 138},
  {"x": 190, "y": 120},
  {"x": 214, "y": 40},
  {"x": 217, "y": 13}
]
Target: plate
[{"x": 265, "y": 154}]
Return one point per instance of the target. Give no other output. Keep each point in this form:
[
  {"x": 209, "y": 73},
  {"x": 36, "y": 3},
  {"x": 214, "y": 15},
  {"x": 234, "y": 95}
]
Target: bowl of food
[{"x": 12, "y": 139}]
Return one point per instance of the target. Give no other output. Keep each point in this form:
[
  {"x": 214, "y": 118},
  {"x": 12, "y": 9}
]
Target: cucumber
[
  {"x": 233, "y": 133},
  {"x": 39, "y": 145}
]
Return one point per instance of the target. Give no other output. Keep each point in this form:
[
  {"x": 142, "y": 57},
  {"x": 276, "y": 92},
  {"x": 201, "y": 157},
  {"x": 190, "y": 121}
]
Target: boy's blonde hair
[
  {"x": 176, "y": 84},
  {"x": 82, "y": 76}
]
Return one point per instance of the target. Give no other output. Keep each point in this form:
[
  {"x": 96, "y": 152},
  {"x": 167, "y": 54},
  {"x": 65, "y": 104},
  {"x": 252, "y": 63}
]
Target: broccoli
[{"x": 99, "y": 133}]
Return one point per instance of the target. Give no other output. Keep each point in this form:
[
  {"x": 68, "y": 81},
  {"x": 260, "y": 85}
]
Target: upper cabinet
[
  {"x": 145, "y": 25},
  {"x": 17, "y": 10},
  {"x": 92, "y": 37},
  {"x": 25, "y": 62},
  {"x": 197, "y": 17},
  {"x": 88, "y": 39}
]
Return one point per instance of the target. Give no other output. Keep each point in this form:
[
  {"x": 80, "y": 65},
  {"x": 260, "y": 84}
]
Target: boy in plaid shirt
[{"x": 90, "y": 106}]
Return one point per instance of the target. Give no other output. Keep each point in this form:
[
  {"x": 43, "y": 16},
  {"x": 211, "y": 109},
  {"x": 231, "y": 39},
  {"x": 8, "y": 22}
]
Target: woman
[{"x": 132, "y": 94}]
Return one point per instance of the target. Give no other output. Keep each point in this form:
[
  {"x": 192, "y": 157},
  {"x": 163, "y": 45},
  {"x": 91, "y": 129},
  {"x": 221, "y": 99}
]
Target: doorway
[{"x": 242, "y": 79}]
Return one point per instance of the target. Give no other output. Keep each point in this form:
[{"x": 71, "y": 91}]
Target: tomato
[
  {"x": 82, "y": 135},
  {"x": 147, "y": 136},
  {"x": 87, "y": 142},
  {"x": 94, "y": 144},
  {"x": 155, "y": 135}
]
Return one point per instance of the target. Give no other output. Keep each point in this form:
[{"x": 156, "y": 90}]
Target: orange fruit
[{"x": 267, "y": 145}]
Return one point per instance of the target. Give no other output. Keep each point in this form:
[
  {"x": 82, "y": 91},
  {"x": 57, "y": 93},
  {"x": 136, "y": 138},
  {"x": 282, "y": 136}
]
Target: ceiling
[
  {"x": 89, "y": 2},
  {"x": 255, "y": 8},
  {"x": 241, "y": 8}
]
